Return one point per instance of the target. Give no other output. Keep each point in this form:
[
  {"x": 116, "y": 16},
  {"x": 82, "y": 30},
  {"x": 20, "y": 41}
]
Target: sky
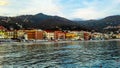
[{"x": 83, "y": 9}]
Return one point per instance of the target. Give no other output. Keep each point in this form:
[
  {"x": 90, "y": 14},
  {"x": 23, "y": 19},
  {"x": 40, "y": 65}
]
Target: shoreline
[{"x": 53, "y": 42}]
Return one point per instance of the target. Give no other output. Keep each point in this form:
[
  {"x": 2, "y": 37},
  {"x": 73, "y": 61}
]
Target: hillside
[
  {"x": 113, "y": 22},
  {"x": 47, "y": 22},
  {"x": 39, "y": 21}
]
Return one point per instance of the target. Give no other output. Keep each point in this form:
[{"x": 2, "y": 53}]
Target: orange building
[
  {"x": 34, "y": 34},
  {"x": 87, "y": 36},
  {"x": 59, "y": 35}
]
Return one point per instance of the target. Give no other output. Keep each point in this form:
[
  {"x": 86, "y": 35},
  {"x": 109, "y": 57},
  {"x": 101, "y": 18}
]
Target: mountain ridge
[
  {"x": 42, "y": 21},
  {"x": 39, "y": 21},
  {"x": 101, "y": 24}
]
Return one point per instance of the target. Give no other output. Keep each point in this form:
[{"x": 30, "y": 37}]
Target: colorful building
[
  {"x": 50, "y": 35},
  {"x": 59, "y": 35},
  {"x": 10, "y": 34},
  {"x": 81, "y": 35},
  {"x": 34, "y": 34},
  {"x": 2, "y": 32},
  {"x": 15, "y": 34},
  {"x": 87, "y": 35},
  {"x": 71, "y": 36},
  {"x": 118, "y": 36}
]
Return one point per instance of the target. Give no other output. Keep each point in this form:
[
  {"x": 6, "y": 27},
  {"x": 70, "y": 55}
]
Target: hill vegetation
[{"x": 47, "y": 22}]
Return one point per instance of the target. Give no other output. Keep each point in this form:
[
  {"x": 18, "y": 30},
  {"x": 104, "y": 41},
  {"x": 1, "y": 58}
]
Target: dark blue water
[{"x": 94, "y": 54}]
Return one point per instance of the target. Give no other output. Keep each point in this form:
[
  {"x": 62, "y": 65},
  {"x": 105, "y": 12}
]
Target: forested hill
[
  {"x": 42, "y": 21},
  {"x": 39, "y": 21},
  {"x": 110, "y": 23}
]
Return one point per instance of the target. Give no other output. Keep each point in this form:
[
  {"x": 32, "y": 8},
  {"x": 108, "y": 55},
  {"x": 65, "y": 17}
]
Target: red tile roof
[{"x": 2, "y": 28}]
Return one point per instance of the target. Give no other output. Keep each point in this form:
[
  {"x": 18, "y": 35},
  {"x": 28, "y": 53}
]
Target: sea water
[{"x": 74, "y": 54}]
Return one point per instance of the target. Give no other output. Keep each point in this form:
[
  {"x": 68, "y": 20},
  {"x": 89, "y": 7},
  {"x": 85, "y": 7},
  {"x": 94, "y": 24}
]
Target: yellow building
[
  {"x": 20, "y": 33},
  {"x": 71, "y": 36},
  {"x": 118, "y": 36},
  {"x": 15, "y": 34},
  {"x": 2, "y": 34},
  {"x": 10, "y": 34}
]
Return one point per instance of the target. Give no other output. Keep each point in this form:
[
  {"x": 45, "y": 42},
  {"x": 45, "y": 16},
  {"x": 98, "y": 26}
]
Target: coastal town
[
  {"x": 59, "y": 33},
  {"x": 50, "y": 35}
]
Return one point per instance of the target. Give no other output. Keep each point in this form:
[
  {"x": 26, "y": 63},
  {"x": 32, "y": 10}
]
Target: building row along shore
[{"x": 50, "y": 35}]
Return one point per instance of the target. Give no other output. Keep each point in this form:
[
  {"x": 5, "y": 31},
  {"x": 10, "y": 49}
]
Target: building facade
[{"x": 34, "y": 34}]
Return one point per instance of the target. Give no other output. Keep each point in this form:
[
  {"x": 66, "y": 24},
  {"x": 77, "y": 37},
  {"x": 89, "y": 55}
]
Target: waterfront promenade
[{"x": 51, "y": 42}]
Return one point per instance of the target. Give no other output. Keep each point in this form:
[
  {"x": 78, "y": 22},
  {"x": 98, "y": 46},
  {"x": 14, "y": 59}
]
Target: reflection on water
[{"x": 101, "y": 54}]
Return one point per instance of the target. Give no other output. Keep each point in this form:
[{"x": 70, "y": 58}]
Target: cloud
[
  {"x": 88, "y": 13},
  {"x": 31, "y": 7},
  {"x": 48, "y": 7},
  {"x": 86, "y": 9},
  {"x": 118, "y": 0},
  {"x": 97, "y": 9},
  {"x": 45, "y": 6},
  {"x": 3, "y": 2}
]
